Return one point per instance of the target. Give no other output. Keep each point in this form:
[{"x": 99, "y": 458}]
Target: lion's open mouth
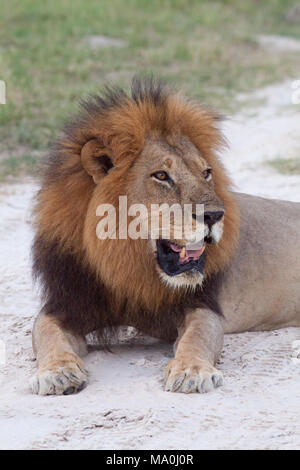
[{"x": 174, "y": 259}]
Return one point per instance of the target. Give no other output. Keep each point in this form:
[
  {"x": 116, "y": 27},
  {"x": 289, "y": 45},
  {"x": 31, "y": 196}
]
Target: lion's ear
[{"x": 95, "y": 159}]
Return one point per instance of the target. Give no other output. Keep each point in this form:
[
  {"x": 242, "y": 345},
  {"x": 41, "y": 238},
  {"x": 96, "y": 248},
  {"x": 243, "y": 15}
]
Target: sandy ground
[{"x": 124, "y": 406}]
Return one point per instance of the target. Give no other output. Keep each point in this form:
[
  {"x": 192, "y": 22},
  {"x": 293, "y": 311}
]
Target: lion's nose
[{"x": 211, "y": 217}]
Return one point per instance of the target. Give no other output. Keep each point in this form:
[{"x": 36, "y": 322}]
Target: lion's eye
[
  {"x": 207, "y": 174},
  {"x": 161, "y": 176}
]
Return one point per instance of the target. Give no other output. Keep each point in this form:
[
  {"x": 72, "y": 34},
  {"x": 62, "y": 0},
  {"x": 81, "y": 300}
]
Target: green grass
[
  {"x": 16, "y": 166},
  {"x": 289, "y": 166},
  {"x": 205, "y": 47}
]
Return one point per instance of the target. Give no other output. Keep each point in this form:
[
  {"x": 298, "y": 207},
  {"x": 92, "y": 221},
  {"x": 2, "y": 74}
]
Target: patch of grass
[
  {"x": 16, "y": 166},
  {"x": 290, "y": 166},
  {"x": 207, "y": 48}
]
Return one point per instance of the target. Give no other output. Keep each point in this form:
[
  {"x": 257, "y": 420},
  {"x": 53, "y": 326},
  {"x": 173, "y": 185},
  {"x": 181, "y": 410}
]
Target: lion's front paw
[
  {"x": 191, "y": 377},
  {"x": 62, "y": 377}
]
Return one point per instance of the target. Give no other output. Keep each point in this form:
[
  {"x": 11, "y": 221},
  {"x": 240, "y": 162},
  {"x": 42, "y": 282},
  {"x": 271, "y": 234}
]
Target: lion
[{"x": 154, "y": 146}]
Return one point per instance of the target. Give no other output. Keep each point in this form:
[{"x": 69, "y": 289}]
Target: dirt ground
[{"x": 124, "y": 406}]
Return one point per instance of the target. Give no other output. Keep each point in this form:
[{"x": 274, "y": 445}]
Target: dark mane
[
  {"x": 149, "y": 90},
  {"x": 72, "y": 293}
]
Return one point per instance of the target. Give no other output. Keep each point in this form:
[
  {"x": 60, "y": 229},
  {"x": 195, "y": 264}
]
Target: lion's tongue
[{"x": 187, "y": 255}]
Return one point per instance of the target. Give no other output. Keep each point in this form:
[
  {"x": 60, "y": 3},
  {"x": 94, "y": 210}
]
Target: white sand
[{"x": 124, "y": 406}]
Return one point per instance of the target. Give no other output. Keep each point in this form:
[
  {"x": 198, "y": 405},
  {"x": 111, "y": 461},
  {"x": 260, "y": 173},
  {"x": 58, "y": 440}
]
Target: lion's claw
[
  {"x": 192, "y": 378},
  {"x": 65, "y": 380}
]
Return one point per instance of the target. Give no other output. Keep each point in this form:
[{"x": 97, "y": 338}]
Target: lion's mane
[{"x": 88, "y": 289}]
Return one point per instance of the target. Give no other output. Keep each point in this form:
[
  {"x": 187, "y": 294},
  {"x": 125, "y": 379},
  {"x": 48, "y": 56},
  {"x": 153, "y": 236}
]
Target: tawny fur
[
  {"x": 65, "y": 212},
  {"x": 251, "y": 277}
]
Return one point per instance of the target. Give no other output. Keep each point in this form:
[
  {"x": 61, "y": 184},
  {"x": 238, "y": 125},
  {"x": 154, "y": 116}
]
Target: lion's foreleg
[
  {"x": 197, "y": 348},
  {"x": 60, "y": 369}
]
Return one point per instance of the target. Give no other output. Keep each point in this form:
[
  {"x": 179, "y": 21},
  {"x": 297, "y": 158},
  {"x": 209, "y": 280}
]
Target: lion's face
[{"x": 170, "y": 172}]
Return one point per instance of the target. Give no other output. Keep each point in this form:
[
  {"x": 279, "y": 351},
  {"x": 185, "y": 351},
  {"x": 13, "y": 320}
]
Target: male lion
[{"x": 155, "y": 147}]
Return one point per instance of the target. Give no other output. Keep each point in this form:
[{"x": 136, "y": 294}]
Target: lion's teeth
[
  {"x": 194, "y": 246},
  {"x": 183, "y": 253}
]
